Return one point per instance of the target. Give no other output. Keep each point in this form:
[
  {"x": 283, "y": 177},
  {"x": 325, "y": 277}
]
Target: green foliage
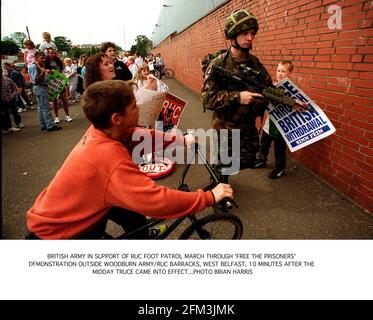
[
  {"x": 75, "y": 53},
  {"x": 92, "y": 50},
  {"x": 18, "y": 38},
  {"x": 62, "y": 44},
  {"x": 143, "y": 45},
  {"x": 9, "y": 47}
]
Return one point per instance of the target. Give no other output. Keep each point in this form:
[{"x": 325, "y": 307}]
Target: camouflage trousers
[{"x": 244, "y": 155}]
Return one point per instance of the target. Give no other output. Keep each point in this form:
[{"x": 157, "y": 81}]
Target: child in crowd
[
  {"x": 47, "y": 43},
  {"x": 28, "y": 88},
  {"x": 120, "y": 188},
  {"x": 132, "y": 66},
  {"x": 145, "y": 79},
  {"x": 9, "y": 93},
  {"x": 26, "y": 76},
  {"x": 16, "y": 76},
  {"x": 29, "y": 52},
  {"x": 70, "y": 71},
  {"x": 270, "y": 132}
]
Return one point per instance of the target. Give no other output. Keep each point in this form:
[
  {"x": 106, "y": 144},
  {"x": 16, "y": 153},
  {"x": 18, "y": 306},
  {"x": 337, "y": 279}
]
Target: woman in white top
[{"x": 145, "y": 79}]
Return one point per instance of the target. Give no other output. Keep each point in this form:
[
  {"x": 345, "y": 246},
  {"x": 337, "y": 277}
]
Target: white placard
[
  {"x": 150, "y": 103},
  {"x": 299, "y": 129}
]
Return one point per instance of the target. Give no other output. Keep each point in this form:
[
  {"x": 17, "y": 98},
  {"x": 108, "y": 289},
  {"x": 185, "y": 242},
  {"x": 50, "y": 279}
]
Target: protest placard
[
  {"x": 172, "y": 109},
  {"x": 150, "y": 103},
  {"x": 299, "y": 129},
  {"x": 56, "y": 84},
  {"x": 167, "y": 109}
]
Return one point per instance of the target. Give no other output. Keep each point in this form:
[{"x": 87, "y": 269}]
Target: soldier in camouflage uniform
[{"x": 234, "y": 109}]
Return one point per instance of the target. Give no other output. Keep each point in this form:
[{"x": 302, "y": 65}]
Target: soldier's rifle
[{"x": 247, "y": 82}]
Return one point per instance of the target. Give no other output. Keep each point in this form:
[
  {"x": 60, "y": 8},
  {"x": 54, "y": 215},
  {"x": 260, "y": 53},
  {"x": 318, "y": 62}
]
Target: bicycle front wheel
[
  {"x": 169, "y": 73},
  {"x": 214, "y": 227},
  {"x": 157, "y": 74}
]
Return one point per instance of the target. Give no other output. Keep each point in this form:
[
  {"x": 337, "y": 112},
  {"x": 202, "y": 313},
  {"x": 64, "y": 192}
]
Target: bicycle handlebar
[{"x": 228, "y": 204}]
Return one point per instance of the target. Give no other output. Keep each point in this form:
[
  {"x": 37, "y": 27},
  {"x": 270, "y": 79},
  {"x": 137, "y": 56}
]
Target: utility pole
[{"x": 124, "y": 37}]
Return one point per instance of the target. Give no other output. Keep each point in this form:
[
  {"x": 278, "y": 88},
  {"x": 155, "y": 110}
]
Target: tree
[
  {"x": 92, "y": 50},
  {"x": 9, "y": 47},
  {"x": 75, "y": 52},
  {"x": 18, "y": 38},
  {"x": 142, "y": 45},
  {"x": 62, "y": 43}
]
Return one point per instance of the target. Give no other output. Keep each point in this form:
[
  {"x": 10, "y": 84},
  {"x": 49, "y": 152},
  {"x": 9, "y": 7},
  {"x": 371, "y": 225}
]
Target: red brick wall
[{"x": 334, "y": 67}]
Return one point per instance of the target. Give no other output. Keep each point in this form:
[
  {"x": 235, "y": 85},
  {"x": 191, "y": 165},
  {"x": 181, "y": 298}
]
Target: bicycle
[
  {"x": 219, "y": 225},
  {"x": 160, "y": 71}
]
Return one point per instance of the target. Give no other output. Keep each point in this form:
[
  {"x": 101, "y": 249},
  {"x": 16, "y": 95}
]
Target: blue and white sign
[{"x": 299, "y": 129}]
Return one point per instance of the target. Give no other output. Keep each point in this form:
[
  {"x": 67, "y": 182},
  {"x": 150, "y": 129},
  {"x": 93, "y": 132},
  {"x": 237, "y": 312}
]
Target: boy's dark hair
[
  {"x": 288, "y": 64},
  {"x": 104, "y": 98},
  {"x": 107, "y": 45},
  {"x": 92, "y": 70},
  {"x": 39, "y": 53}
]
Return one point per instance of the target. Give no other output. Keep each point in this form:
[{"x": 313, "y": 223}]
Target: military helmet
[{"x": 238, "y": 21}]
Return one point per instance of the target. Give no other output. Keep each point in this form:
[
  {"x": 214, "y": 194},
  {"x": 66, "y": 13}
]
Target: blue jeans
[{"x": 44, "y": 111}]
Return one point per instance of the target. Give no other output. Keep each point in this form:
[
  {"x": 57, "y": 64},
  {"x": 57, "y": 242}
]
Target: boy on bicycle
[{"x": 99, "y": 180}]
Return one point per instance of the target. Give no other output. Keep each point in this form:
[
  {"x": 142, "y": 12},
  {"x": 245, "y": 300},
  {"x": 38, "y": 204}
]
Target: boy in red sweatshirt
[{"x": 99, "y": 179}]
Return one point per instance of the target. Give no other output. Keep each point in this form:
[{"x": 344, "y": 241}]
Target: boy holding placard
[{"x": 270, "y": 132}]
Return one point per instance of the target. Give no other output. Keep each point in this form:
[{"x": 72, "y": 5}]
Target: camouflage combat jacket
[{"x": 227, "y": 110}]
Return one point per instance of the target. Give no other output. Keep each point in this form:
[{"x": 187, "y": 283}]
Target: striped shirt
[{"x": 8, "y": 89}]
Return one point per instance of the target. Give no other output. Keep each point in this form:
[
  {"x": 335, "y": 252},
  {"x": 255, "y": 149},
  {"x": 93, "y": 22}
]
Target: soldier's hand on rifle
[
  {"x": 246, "y": 97},
  {"x": 300, "y": 106}
]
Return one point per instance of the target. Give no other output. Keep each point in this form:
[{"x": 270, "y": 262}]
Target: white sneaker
[
  {"x": 12, "y": 129},
  {"x": 68, "y": 119},
  {"x": 57, "y": 120},
  {"x": 20, "y": 125},
  {"x": 21, "y": 110}
]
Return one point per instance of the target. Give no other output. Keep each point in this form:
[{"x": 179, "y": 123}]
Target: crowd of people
[
  {"x": 122, "y": 193},
  {"x": 30, "y": 85}
]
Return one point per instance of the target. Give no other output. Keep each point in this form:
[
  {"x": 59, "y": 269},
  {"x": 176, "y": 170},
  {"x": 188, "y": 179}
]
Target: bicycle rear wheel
[
  {"x": 168, "y": 73},
  {"x": 215, "y": 226}
]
